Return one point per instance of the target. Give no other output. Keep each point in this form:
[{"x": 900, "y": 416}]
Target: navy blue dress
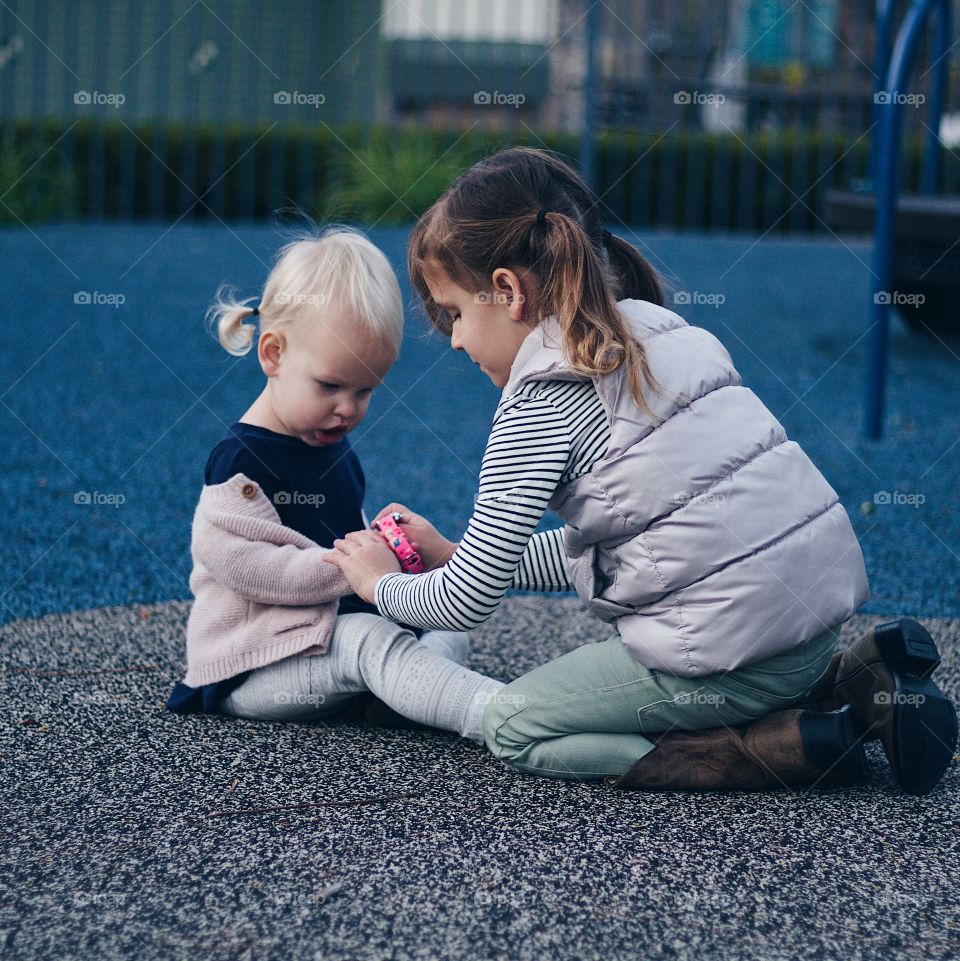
[{"x": 317, "y": 491}]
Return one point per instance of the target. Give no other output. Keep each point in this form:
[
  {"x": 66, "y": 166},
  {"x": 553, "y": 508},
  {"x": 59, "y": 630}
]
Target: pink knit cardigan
[{"x": 262, "y": 591}]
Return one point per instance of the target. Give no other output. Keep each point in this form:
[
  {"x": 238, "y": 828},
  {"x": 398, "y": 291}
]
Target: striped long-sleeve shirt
[{"x": 552, "y": 435}]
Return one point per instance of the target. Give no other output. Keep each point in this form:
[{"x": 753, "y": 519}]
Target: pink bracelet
[{"x": 389, "y": 528}]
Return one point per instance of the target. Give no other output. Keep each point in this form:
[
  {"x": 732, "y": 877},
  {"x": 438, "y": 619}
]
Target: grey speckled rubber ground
[
  {"x": 124, "y": 834},
  {"x": 134, "y": 833}
]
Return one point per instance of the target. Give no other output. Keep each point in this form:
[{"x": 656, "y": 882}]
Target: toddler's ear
[{"x": 270, "y": 348}]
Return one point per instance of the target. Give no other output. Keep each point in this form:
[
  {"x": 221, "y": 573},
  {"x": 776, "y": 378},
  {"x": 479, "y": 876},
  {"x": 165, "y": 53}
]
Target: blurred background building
[
  {"x": 777, "y": 63},
  {"x": 701, "y": 114}
]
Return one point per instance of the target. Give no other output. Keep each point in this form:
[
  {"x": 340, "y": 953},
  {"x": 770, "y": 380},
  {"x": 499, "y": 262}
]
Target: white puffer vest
[{"x": 711, "y": 541}]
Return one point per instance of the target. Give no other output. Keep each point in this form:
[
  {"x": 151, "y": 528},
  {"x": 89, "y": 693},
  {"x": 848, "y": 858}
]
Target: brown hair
[{"x": 488, "y": 218}]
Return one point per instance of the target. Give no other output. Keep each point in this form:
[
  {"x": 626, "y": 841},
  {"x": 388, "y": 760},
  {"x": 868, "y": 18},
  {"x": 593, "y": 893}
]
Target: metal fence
[{"x": 736, "y": 114}]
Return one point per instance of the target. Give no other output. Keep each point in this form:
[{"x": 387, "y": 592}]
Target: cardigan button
[{"x": 249, "y": 490}]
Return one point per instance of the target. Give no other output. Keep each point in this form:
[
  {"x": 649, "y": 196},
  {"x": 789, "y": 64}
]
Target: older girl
[{"x": 720, "y": 556}]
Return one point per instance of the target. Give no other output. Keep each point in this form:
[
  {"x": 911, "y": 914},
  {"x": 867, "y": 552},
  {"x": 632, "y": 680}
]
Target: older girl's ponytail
[
  {"x": 635, "y": 277},
  {"x": 575, "y": 287}
]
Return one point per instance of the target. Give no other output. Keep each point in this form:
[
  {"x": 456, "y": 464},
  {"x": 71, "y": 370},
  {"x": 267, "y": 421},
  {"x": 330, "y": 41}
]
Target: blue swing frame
[{"x": 893, "y": 69}]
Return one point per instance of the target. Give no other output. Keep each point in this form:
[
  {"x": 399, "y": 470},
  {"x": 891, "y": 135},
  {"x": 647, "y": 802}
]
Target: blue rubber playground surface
[
  {"x": 132, "y": 832},
  {"x": 122, "y": 402}
]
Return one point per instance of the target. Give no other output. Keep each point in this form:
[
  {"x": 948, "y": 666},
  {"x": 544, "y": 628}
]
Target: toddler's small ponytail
[{"x": 228, "y": 314}]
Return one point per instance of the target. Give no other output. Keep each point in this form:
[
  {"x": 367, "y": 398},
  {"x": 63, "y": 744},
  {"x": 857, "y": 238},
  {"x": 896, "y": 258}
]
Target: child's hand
[
  {"x": 364, "y": 558},
  {"x": 434, "y": 549}
]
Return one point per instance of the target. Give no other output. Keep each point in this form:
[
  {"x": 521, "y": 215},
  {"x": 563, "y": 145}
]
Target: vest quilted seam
[
  {"x": 681, "y": 624},
  {"x": 756, "y": 553},
  {"x": 679, "y": 409},
  {"x": 615, "y": 507},
  {"x": 793, "y": 530},
  {"x": 723, "y": 477}
]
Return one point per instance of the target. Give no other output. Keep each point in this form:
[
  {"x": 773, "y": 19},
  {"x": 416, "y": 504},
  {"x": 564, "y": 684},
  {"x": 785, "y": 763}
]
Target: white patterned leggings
[{"x": 424, "y": 680}]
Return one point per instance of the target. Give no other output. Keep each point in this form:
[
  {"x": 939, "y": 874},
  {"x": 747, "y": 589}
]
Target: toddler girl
[{"x": 274, "y": 633}]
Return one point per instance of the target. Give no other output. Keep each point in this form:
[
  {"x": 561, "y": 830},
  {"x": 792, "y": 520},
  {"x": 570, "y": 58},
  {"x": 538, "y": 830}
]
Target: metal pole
[
  {"x": 932, "y": 157},
  {"x": 881, "y": 62},
  {"x": 901, "y": 62}
]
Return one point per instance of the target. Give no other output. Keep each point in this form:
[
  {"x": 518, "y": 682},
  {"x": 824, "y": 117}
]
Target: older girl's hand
[
  {"x": 434, "y": 549},
  {"x": 364, "y": 558}
]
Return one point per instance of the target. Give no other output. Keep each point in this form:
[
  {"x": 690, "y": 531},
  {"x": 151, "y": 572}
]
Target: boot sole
[{"x": 922, "y": 736}]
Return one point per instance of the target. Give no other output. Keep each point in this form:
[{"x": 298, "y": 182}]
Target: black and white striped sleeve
[
  {"x": 543, "y": 566},
  {"x": 526, "y": 454}
]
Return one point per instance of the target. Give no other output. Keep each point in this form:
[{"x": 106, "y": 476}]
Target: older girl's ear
[{"x": 508, "y": 288}]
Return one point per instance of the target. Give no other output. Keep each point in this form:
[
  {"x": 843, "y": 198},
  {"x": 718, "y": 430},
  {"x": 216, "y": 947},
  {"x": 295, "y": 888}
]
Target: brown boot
[
  {"x": 820, "y": 696},
  {"x": 885, "y": 677},
  {"x": 787, "y": 749}
]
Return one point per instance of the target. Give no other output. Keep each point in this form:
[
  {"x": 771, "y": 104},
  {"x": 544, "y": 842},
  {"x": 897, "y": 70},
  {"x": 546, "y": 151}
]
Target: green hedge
[{"x": 55, "y": 170}]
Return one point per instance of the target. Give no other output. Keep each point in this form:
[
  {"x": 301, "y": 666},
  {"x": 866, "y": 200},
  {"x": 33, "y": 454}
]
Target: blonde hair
[
  {"x": 490, "y": 217},
  {"x": 337, "y": 268}
]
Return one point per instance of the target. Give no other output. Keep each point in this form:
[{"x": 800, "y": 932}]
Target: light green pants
[{"x": 583, "y": 715}]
